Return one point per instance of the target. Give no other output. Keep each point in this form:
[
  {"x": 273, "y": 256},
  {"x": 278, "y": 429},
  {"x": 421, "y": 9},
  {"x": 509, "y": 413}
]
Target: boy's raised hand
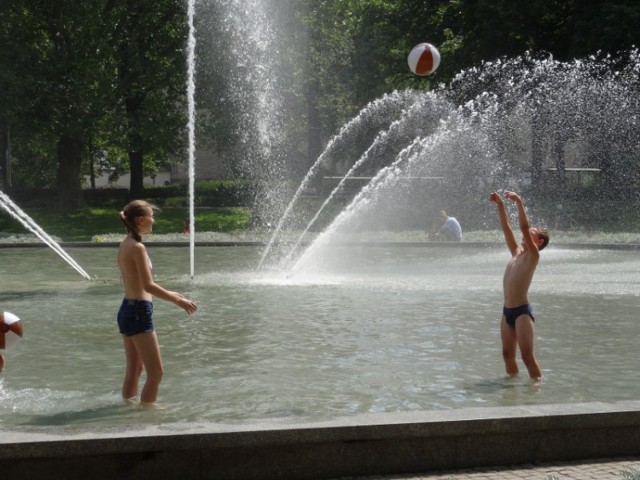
[
  {"x": 514, "y": 197},
  {"x": 495, "y": 197}
]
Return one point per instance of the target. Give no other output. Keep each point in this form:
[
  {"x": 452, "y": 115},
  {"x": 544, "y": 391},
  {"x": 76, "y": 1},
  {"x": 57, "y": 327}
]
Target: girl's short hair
[{"x": 544, "y": 235}]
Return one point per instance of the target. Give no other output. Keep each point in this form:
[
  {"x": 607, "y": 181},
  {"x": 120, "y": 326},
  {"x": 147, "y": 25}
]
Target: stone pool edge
[{"x": 370, "y": 444}]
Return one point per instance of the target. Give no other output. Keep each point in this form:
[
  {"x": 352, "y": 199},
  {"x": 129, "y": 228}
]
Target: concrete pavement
[{"x": 627, "y": 468}]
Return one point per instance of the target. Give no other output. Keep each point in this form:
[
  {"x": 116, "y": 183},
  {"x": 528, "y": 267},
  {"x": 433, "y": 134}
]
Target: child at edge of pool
[
  {"x": 135, "y": 314},
  {"x": 516, "y": 324}
]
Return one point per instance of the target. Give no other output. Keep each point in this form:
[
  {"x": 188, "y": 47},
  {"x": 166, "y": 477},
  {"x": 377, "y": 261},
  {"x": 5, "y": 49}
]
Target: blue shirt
[{"x": 451, "y": 230}]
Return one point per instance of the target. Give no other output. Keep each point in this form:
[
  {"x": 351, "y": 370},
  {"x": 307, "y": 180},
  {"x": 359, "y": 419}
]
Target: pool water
[{"x": 369, "y": 328}]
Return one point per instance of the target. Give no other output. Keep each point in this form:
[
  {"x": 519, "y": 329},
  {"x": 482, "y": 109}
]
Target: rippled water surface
[{"x": 372, "y": 329}]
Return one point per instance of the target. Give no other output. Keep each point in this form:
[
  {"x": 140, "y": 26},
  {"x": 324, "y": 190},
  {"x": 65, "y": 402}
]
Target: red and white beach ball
[
  {"x": 423, "y": 59},
  {"x": 10, "y": 329}
]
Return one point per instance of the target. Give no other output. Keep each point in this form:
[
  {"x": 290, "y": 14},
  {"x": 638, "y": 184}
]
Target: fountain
[
  {"x": 191, "y": 127},
  {"x": 351, "y": 325},
  {"x": 21, "y": 216},
  {"x": 534, "y": 120},
  {"x": 238, "y": 52},
  {"x": 386, "y": 106}
]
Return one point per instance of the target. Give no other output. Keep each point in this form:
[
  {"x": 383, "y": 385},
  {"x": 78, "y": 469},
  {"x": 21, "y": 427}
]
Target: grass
[{"x": 80, "y": 225}]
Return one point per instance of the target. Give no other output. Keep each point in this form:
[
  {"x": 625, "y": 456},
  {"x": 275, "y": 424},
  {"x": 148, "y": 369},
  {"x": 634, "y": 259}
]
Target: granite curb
[{"x": 414, "y": 444}]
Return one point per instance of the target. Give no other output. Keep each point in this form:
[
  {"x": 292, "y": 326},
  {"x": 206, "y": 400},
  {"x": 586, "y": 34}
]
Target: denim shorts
[{"x": 135, "y": 316}]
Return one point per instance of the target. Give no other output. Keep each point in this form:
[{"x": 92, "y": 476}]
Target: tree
[
  {"x": 603, "y": 25},
  {"x": 78, "y": 81},
  {"x": 148, "y": 40},
  {"x": 60, "y": 66},
  {"x": 69, "y": 87}
]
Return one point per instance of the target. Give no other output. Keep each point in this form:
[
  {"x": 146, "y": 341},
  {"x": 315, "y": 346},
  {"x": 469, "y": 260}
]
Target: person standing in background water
[{"x": 135, "y": 315}]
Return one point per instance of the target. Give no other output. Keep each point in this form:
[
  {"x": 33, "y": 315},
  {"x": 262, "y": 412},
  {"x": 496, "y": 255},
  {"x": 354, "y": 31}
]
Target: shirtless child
[
  {"x": 516, "y": 325},
  {"x": 135, "y": 316}
]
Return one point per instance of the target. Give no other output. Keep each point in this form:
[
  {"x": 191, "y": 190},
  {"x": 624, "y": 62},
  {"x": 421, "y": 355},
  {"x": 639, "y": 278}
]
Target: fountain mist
[
  {"x": 523, "y": 124},
  {"x": 389, "y": 106},
  {"x": 240, "y": 62},
  {"x": 518, "y": 124}
]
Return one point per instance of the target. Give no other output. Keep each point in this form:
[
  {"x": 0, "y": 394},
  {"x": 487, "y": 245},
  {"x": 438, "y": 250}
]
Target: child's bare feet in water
[
  {"x": 1, "y": 362},
  {"x": 152, "y": 406}
]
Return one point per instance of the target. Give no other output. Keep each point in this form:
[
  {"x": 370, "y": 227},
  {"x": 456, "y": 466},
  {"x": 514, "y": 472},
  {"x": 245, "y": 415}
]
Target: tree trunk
[
  {"x": 92, "y": 167},
  {"x": 136, "y": 185},
  {"x": 136, "y": 151},
  {"x": 69, "y": 168},
  {"x": 5, "y": 153}
]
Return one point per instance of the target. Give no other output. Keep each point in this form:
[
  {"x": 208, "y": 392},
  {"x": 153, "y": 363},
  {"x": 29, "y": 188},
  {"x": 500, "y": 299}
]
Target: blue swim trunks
[
  {"x": 511, "y": 314},
  {"x": 135, "y": 316}
]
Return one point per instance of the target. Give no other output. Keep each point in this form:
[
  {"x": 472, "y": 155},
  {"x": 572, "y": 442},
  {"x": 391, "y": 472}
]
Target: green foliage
[
  {"x": 223, "y": 219},
  {"x": 109, "y": 78},
  {"x": 35, "y": 162},
  {"x": 82, "y": 224},
  {"x": 70, "y": 225},
  {"x": 208, "y": 193},
  {"x": 94, "y": 78},
  {"x": 146, "y": 42}
]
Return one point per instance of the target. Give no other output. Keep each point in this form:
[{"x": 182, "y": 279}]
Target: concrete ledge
[{"x": 360, "y": 445}]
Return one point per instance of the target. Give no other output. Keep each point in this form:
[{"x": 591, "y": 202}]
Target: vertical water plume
[
  {"x": 191, "y": 92},
  {"x": 242, "y": 57}
]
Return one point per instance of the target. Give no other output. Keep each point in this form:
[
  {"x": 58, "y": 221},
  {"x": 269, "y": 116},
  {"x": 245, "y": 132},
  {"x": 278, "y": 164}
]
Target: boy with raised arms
[{"x": 516, "y": 325}]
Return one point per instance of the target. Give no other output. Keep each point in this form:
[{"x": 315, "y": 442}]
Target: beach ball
[
  {"x": 423, "y": 59},
  {"x": 10, "y": 329}
]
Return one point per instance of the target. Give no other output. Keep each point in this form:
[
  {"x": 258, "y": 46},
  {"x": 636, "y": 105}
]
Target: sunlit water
[{"x": 376, "y": 329}]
